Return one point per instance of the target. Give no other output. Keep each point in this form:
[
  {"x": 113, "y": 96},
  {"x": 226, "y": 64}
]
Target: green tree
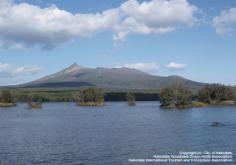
[
  {"x": 6, "y": 97},
  {"x": 204, "y": 94},
  {"x": 215, "y": 93},
  {"x": 183, "y": 97},
  {"x": 130, "y": 97},
  {"x": 167, "y": 97},
  {"x": 234, "y": 95}
]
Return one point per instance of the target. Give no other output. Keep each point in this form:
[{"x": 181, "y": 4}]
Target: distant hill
[{"x": 76, "y": 76}]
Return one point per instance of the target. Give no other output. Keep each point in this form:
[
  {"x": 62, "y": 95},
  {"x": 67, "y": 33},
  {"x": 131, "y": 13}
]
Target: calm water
[{"x": 62, "y": 133}]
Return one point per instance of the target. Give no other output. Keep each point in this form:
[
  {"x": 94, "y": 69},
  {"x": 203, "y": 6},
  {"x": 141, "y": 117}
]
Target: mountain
[{"x": 109, "y": 78}]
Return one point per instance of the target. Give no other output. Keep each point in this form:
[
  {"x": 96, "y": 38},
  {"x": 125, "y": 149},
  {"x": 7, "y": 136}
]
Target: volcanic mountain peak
[{"x": 74, "y": 68}]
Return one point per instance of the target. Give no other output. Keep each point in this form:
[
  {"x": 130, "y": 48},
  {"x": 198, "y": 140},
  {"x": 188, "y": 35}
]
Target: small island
[
  {"x": 180, "y": 97},
  {"x": 130, "y": 97},
  {"x": 34, "y": 105},
  {"x": 34, "y": 102},
  {"x": 90, "y": 97},
  {"x": 6, "y": 99}
]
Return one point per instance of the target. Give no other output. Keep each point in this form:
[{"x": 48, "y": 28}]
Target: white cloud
[
  {"x": 3, "y": 66},
  {"x": 145, "y": 67},
  {"x": 176, "y": 66},
  {"x": 7, "y": 70},
  {"x": 28, "y": 70},
  {"x": 4, "y": 70},
  {"x": 23, "y": 24},
  {"x": 226, "y": 22},
  {"x": 154, "y": 17}
]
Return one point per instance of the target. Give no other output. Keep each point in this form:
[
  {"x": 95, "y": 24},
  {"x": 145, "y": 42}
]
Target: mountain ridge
[{"x": 77, "y": 76}]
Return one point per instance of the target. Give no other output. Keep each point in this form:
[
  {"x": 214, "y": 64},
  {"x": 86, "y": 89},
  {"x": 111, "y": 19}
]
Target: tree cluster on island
[
  {"x": 131, "y": 98},
  {"x": 176, "y": 96},
  {"x": 90, "y": 97},
  {"x": 34, "y": 101},
  {"x": 180, "y": 96},
  {"x": 6, "y": 99}
]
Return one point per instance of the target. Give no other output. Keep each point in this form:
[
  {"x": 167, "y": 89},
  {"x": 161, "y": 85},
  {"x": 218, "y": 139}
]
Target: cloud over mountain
[
  {"x": 145, "y": 67},
  {"x": 176, "y": 66},
  {"x": 24, "y": 25},
  {"x": 7, "y": 70}
]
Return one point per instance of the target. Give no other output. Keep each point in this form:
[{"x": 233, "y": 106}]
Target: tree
[
  {"x": 234, "y": 95},
  {"x": 6, "y": 97},
  {"x": 215, "y": 93},
  {"x": 167, "y": 97},
  {"x": 184, "y": 97},
  {"x": 130, "y": 97},
  {"x": 204, "y": 94}
]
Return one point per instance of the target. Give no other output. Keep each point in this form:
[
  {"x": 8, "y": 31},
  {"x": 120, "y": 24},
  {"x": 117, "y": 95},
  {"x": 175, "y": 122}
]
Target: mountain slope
[{"x": 108, "y": 78}]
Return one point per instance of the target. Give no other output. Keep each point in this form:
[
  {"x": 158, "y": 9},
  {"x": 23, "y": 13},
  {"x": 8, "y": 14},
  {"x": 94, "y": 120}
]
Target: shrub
[{"x": 34, "y": 105}]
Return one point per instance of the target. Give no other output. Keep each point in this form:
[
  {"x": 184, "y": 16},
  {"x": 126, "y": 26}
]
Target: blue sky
[{"x": 197, "y": 43}]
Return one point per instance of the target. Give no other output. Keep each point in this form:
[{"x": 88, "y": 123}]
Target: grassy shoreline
[
  {"x": 199, "y": 104},
  {"x": 90, "y": 104},
  {"x": 6, "y": 105},
  {"x": 195, "y": 104}
]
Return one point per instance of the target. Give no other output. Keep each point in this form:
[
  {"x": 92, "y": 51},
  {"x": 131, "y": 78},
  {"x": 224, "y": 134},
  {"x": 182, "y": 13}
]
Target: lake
[{"x": 62, "y": 133}]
